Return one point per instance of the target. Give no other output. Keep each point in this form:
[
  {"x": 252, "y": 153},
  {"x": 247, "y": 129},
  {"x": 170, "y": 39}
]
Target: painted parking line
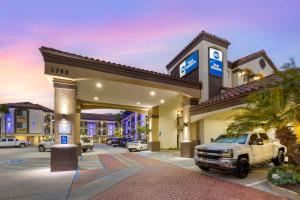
[{"x": 256, "y": 183}]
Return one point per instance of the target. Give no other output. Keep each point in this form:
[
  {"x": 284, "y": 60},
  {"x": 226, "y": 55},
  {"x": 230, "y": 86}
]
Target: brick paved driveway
[{"x": 157, "y": 180}]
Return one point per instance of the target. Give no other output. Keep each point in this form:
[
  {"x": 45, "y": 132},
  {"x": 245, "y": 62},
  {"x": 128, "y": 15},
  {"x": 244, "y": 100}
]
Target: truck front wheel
[
  {"x": 242, "y": 168},
  {"x": 279, "y": 160}
]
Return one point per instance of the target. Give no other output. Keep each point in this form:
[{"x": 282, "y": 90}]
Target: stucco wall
[
  {"x": 254, "y": 66},
  {"x": 203, "y": 67},
  {"x": 36, "y": 121},
  {"x": 211, "y": 127},
  {"x": 297, "y": 131},
  {"x": 3, "y": 122},
  {"x": 168, "y": 123}
]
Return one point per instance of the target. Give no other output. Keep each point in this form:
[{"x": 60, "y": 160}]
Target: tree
[
  {"x": 118, "y": 134},
  {"x": 143, "y": 129},
  {"x": 274, "y": 107},
  {"x": 4, "y": 109}
]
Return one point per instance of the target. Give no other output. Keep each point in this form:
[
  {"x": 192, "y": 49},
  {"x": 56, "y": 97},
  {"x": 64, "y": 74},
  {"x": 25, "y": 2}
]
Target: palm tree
[
  {"x": 273, "y": 108},
  {"x": 4, "y": 109}
]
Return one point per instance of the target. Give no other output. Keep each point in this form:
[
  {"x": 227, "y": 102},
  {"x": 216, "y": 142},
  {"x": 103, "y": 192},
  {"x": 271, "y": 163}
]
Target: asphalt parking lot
[{"x": 26, "y": 169}]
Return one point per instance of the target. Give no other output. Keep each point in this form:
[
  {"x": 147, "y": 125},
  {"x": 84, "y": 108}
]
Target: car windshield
[{"x": 240, "y": 139}]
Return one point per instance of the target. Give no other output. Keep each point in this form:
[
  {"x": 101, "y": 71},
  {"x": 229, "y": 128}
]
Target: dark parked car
[
  {"x": 108, "y": 141},
  {"x": 115, "y": 142},
  {"x": 123, "y": 142}
]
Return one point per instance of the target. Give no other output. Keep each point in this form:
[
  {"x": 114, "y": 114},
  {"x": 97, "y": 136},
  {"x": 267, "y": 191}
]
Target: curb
[{"x": 284, "y": 192}]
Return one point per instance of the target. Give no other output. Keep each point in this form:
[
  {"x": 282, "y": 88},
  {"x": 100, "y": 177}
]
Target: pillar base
[
  {"x": 64, "y": 157},
  {"x": 154, "y": 146},
  {"x": 187, "y": 149}
]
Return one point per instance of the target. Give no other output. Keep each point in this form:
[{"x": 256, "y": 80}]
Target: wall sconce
[{"x": 63, "y": 116}]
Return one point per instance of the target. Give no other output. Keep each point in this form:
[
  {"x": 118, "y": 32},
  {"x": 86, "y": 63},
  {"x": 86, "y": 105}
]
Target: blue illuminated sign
[
  {"x": 189, "y": 64},
  {"x": 215, "y": 62},
  {"x": 64, "y": 139}
]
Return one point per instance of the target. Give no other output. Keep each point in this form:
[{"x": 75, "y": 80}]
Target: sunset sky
[{"x": 146, "y": 34}]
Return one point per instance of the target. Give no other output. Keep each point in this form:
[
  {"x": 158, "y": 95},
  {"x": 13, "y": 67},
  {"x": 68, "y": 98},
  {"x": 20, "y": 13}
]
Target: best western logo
[{"x": 189, "y": 64}]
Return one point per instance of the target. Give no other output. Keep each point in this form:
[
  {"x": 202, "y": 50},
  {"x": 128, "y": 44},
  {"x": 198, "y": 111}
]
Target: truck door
[
  {"x": 3, "y": 143},
  {"x": 256, "y": 148},
  {"x": 11, "y": 143},
  {"x": 267, "y": 147}
]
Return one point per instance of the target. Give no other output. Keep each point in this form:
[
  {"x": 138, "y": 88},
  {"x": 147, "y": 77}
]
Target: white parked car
[
  {"x": 12, "y": 142},
  {"x": 236, "y": 153},
  {"x": 137, "y": 145},
  {"x": 86, "y": 143},
  {"x": 46, "y": 144}
]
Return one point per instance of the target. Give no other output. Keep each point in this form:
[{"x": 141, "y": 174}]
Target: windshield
[{"x": 240, "y": 139}]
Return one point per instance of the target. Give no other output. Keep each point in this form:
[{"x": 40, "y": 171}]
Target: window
[
  {"x": 253, "y": 139},
  {"x": 19, "y": 125},
  {"x": 264, "y": 136},
  {"x": 10, "y": 140},
  {"x": 3, "y": 140}
]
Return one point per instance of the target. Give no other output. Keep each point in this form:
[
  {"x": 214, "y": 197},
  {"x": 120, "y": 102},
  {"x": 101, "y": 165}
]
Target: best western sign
[
  {"x": 215, "y": 62},
  {"x": 189, "y": 64}
]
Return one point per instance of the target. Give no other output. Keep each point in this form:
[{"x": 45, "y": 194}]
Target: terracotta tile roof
[
  {"x": 98, "y": 117},
  {"x": 251, "y": 57},
  {"x": 238, "y": 92},
  {"x": 201, "y": 36},
  {"x": 53, "y": 51},
  {"x": 29, "y": 105}
]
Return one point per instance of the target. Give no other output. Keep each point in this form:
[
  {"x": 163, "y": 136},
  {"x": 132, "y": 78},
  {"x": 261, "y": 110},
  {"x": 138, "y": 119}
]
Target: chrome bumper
[{"x": 224, "y": 164}]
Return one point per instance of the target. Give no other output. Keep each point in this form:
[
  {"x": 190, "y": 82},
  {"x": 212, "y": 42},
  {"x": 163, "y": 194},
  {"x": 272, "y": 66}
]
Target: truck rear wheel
[
  {"x": 41, "y": 148},
  {"x": 242, "y": 168},
  {"x": 279, "y": 160}
]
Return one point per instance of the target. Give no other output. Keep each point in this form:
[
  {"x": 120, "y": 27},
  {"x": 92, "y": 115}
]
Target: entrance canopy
[{"x": 102, "y": 84}]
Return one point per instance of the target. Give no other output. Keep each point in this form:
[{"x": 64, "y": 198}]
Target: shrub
[{"x": 289, "y": 174}]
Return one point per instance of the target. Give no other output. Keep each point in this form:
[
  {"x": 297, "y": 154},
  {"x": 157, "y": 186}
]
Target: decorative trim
[
  {"x": 199, "y": 38},
  {"x": 60, "y": 57},
  {"x": 251, "y": 57}
]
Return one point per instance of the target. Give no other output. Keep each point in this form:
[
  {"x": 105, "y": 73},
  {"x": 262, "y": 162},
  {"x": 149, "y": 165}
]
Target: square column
[
  {"x": 67, "y": 126},
  {"x": 65, "y": 93},
  {"x": 154, "y": 143},
  {"x": 188, "y": 142}
]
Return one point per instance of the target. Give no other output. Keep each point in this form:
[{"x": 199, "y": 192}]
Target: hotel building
[
  {"x": 33, "y": 122},
  {"x": 189, "y": 104},
  {"x": 27, "y": 121},
  {"x": 130, "y": 123},
  {"x": 99, "y": 126}
]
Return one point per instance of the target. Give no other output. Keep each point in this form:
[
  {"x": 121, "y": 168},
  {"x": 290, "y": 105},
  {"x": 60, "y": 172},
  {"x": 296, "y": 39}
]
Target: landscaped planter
[
  {"x": 284, "y": 192},
  {"x": 285, "y": 180}
]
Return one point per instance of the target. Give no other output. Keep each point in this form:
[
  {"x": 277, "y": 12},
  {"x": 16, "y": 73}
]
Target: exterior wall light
[
  {"x": 162, "y": 101},
  {"x": 99, "y": 85},
  {"x": 138, "y": 103},
  {"x": 152, "y": 93},
  {"x": 96, "y": 98},
  {"x": 63, "y": 116}
]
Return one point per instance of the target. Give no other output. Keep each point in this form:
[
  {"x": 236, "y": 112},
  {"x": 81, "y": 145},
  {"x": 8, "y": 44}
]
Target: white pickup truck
[
  {"x": 86, "y": 143},
  {"x": 236, "y": 153},
  {"x": 12, "y": 142}
]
